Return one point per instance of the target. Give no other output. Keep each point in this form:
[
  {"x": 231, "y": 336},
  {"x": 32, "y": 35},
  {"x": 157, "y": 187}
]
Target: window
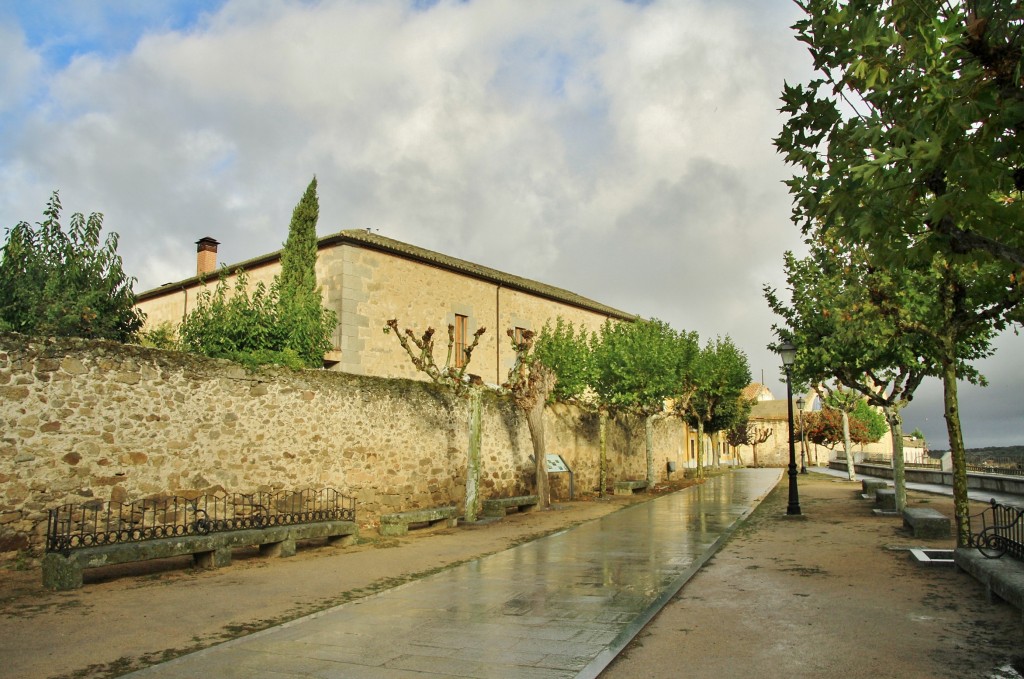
[
  {"x": 461, "y": 335},
  {"x": 519, "y": 335}
]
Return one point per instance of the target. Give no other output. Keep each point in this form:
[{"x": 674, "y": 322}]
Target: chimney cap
[{"x": 206, "y": 243}]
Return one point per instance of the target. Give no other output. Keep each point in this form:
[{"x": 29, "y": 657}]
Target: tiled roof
[{"x": 374, "y": 241}]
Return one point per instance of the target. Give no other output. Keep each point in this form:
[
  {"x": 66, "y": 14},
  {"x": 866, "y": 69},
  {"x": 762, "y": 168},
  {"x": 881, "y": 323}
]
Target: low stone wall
[{"x": 88, "y": 420}]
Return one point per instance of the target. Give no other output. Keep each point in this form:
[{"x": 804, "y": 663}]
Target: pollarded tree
[
  {"x": 569, "y": 355},
  {"x": 749, "y": 433},
  {"x": 530, "y": 383},
  {"x": 637, "y": 366},
  {"x": 305, "y": 324},
  {"x": 68, "y": 284},
  {"x": 716, "y": 381},
  {"x": 454, "y": 377}
]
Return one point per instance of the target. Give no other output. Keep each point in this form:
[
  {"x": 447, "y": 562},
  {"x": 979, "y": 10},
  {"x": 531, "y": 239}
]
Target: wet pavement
[{"x": 560, "y": 606}]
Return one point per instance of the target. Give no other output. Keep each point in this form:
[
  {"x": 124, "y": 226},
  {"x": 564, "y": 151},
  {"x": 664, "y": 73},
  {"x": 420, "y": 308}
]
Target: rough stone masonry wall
[{"x": 85, "y": 420}]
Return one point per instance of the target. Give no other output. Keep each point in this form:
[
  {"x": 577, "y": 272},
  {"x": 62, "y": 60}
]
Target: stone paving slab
[{"x": 562, "y": 606}]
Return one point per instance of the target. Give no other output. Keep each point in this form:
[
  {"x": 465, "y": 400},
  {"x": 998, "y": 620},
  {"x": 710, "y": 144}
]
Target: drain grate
[{"x": 933, "y": 557}]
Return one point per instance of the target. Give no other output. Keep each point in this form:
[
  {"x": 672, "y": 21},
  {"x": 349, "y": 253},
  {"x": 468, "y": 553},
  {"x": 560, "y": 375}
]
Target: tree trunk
[
  {"x": 472, "y": 508},
  {"x": 851, "y": 467},
  {"x": 899, "y": 476},
  {"x": 700, "y": 448},
  {"x": 602, "y": 436},
  {"x": 649, "y": 442},
  {"x": 956, "y": 446},
  {"x": 535, "y": 421},
  {"x": 716, "y": 445},
  {"x": 754, "y": 449}
]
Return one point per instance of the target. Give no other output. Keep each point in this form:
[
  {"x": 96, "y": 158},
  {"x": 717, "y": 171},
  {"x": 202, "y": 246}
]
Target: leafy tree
[
  {"x": 452, "y": 376},
  {"x": 637, "y": 366},
  {"x": 842, "y": 333},
  {"x": 927, "y": 171},
  {"x": 67, "y": 284},
  {"x": 930, "y": 160},
  {"x": 568, "y": 354},
  {"x": 305, "y": 323},
  {"x": 285, "y": 324},
  {"x": 233, "y": 323},
  {"x": 715, "y": 384},
  {"x": 831, "y": 426}
]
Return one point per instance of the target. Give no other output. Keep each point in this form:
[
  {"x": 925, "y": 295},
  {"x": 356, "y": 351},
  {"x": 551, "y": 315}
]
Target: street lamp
[
  {"x": 788, "y": 353},
  {"x": 800, "y": 403}
]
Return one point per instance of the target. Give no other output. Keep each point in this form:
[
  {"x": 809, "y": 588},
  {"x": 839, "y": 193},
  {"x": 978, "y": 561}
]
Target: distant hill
[{"x": 976, "y": 455}]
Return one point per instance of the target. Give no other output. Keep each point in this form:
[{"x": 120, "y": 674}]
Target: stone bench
[
  {"x": 398, "y": 523},
  {"x": 925, "y": 522},
  {"x": 630, "y": 487},
  {"x": 1003, "y": 578},
  {"x": 885, "y": 500},
  {"x": 869, "y": 486},
  {"x": 63, "y": 571},
  {"x": 499, "y": 506}
]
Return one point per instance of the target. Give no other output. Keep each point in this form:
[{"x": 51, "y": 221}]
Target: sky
[{"x": 621, "y": 150}]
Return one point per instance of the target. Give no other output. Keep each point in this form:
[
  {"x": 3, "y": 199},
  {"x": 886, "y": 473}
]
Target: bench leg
[
  {"x": 341, "y": 540},
  {"x": 217, "y": 558},
  {"x": 283, "y": 548},
  {"x": 61, "y": 573},
  {"x": 394, "y": 529}
]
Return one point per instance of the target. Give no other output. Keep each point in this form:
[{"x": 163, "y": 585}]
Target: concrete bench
[
  {"x": 1003, "y": 578},
  {"x": 63, "y": 571},
  {"x": 499, "y": 506},
  {"x": 630, "y": 487},
  {"x": 869, "y": 486},
  {"x": 399, "y": 522},
  {"x": 925, "y": 522},
  {"x": 885, "y": 500}
]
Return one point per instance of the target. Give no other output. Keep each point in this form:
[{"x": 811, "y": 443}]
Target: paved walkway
[{"x": 560, "y": 606}]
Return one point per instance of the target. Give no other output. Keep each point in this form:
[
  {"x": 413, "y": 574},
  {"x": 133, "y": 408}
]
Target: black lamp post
[
  {"x": 800, "y": 403},
  {"x": 788, "y": 353}
]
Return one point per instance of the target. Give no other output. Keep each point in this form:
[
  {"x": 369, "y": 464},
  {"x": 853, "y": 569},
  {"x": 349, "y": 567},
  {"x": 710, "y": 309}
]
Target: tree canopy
[
  {"x": 69, "y": 283},
  {"x": 910, "y": 134}
]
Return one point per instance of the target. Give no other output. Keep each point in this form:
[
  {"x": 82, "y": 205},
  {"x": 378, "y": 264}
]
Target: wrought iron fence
[
  {"x": 1002, "y": 531},
  {"x": 90, "y": 524},
  {"x": 1012, "y": 467}
]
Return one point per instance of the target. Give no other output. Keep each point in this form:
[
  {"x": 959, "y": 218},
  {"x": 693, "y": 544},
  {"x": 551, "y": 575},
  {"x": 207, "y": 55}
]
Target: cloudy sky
[{"x": 621, "y": 150}]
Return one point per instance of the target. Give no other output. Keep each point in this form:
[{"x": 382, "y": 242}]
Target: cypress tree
[{"x": 306, "y": 324}]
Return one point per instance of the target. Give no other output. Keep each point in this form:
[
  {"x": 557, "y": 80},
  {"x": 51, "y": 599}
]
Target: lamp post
[
  {"x": 800, "y": 403},
  {"x": 788, "y": 353}
]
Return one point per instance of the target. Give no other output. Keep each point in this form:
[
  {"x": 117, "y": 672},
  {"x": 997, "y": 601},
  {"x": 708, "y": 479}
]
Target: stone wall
[{"x": 87, "y": 420}]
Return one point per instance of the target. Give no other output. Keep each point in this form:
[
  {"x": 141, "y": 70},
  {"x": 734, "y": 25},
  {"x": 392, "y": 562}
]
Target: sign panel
[{"x": 556, "y": 464}]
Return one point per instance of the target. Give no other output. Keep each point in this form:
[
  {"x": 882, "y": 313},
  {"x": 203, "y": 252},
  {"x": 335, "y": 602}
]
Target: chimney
[{"x": 206, "y": 256}]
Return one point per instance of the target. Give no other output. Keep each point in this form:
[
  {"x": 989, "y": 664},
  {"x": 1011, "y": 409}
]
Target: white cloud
[{"x": 619, "y": 150}]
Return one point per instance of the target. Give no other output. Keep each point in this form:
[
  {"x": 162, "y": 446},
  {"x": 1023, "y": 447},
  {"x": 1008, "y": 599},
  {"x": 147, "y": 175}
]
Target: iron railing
[
  {"x": 1002, "y": 531},
  {"x": 1009, "y": 467},
  {"x": 91, "y": 524}
]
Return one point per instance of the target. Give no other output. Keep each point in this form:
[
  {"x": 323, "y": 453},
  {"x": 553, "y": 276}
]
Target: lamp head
[{"x": 788, "y": 353}]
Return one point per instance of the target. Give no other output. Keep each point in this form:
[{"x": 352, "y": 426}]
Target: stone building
[{"x": 368, "y": 279}]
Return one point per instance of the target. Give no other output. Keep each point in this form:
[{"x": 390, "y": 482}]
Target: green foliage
[
  {"x": 305, "y": 323},
  {"x": 860, "y": 411},
  {"x": 162, "y": 336},
  {"x": 638, "y": 365},
  {"x": 716, "y": 381},
  {"x": 229, "y": 319},
  {"x": 67, "y": 284},
  {"x": 568, "y": 354},
  {"x": 931, "y": 160},
  {"x": 285, "y": 324},
  {"x": 917, "y": 434},
  {"x": 825, "y": 428}
]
